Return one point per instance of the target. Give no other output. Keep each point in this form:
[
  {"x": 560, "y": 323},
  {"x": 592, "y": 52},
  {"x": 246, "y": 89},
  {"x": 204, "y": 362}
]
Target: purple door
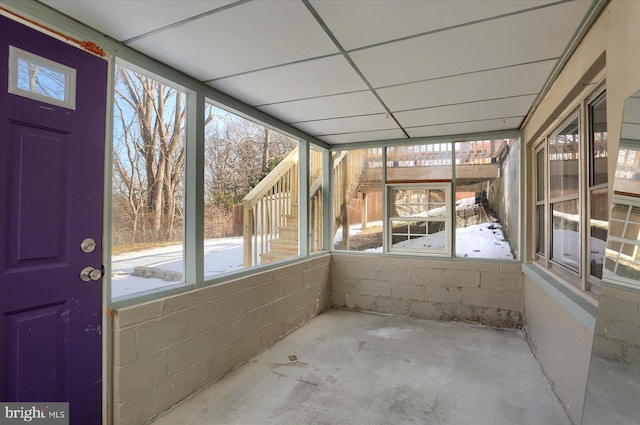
[{"x": 52, "y": 122}]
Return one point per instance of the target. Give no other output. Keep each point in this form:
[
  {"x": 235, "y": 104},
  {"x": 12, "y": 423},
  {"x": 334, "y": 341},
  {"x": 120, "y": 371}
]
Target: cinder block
[
  {"x": 510, "y": 300},
  {"x": 272, "y": 332},
  {"x": 375, "y": 288},
  {"x": 249, "y": 299},
  {"x": 481, "y": 297},
  {"x": 204, "y": 295},
  {"x": 391, "y": 273},
  {"x": 408, "y": 262},
  {"x": 339, "y": 299},
  {"x": 311, "y": 276},
  {"x": 138, "y": 313},
  {"x": 460, "y": 313},
  {"x": 179, "y": 302},
  {"x": 478, "y": 266},
  {"x": 502, "y": 281},
  {"x": 425, "y": 276},
  {"x": 124, "y": 346},
  {"x": 338, "y": 269},
  {"x": 140, "y": 375},
  {"x": 137, "y": 409},
  {"x": 618, "y": 309},
  {"x": 147, "y": 338},
  {"x": 391, "y": 306},
  {"x": 361, "y": 271},
  {"x": 361, "y": 302},
  {"x": 444, "y": 295},
  {"x": 293, "y": 283},
  {"x": 246, "y": 348},
  {"x": 511, "y": 268},
  {"x": 285, "y": 305},
  {"x": 252, "y": 320},
  {"x": 211, "y": 369},
  {"x": 461, "y": 278},
  {"x": 433, "y": 263},
  {"x": 206, "y": 316},
  {"x": 608, "y": 349},
  {"x": 632, "y": 354},
  {"x": 408, "y": 291},
  {"x": 174, "y": 328},
  {"x": 346, "y": 285},
  {"x": 174, "y": 389},
  {"x": 424, "y": 310}
]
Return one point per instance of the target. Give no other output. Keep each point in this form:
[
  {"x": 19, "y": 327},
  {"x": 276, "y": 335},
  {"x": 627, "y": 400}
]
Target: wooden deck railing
[
  {"x": 347, "y": 173},
  {"x": 266, "y": 207}
]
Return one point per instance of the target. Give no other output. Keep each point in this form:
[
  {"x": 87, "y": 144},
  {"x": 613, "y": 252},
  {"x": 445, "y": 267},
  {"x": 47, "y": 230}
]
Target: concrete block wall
[
  {"x": 618, "y": 326},
  {"x": 490, "y": 293},
  {"x": 167, "y": 349}
]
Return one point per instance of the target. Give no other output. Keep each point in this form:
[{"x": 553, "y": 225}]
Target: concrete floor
[{"x": 357, "y": 368}]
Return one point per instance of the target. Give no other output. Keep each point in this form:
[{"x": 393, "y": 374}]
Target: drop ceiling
[{"x": 356, "y": 70}]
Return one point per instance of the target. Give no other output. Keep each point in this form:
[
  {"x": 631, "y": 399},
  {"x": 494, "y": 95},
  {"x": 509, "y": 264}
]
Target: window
[
  {"x": 422, "y": 214},
  {"x": 564, "y": 195},
  {"x": 41, "y": 79},
  {"x": 487, "y": 198},
  {"x": 623, "y": 249},
  {"x": 316, "y": 197},
  {"x": 598, "y": 186},
  {"x": 420, "y": 218},
  {"x": 357, "y": 200},
  {"x": 148, "y": 184},
  {"x": 251, "y": 194},
  {"x": 571, "y": 214}
]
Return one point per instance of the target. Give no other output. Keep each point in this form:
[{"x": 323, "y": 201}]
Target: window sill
[{"x": 580, "y": 306}]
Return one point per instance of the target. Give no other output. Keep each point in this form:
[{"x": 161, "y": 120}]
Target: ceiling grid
[{"x": 353, "y": 70}]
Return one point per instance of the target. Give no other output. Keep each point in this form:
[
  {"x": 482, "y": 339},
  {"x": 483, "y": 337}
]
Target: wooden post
[
  {"x": 344, "y": 208},
  {"x": 246, "y": 231},
  {"x": 363, "y": 211}
]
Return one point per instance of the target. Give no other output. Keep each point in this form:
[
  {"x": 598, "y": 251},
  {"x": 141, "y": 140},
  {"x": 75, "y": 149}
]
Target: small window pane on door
[{"x": 41, "y": 79}]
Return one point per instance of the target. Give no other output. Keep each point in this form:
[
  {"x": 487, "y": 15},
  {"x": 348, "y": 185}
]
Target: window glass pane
[
  {"x": 540, "y": 230},
  {"x": 598, "y": 142},
  {"x": 316, "y": 195},
  {"x": 599, "y": 225},
  {"x": 419, "y": 162},
  {"x": 357, "y": 200},
  {"x": 564, "y": 156},
  {"x": 623, "y": 247},
  {"x": 148, "y": 184},
  {"x": 565, "y": 242},
  {"x": 41, "y": 79},
  {"x": 487, "y": 199},
  {"x": 540, "y": 175},
  {"x": 251, "y": 193}
]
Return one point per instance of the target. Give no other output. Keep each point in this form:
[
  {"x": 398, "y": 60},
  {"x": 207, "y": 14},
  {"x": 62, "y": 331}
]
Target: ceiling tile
[
  {"x": 466, "y": 127},
  {"x": 499, "y": 108},
  {"x": 247, "y": 37},
  {"x": 504, "y": 82},
  {"x": 363, "y": 137},
  {"x": 319, "y": 77},
  {"x": 531, "y": 36},
  {"x": 348, "y": 125},
  {"x": 124, "y": 19},
  {"x": 340, "y": 105},
  {"x": 389, "y": 20}
]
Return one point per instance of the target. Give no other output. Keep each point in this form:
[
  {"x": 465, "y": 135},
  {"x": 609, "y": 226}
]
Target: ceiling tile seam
[
  {"x": 462, "y": 74},
  {"x": 444, "y": 105},
  {"x": 300, "y": 99},
  {"x": 407, "y": 83},
  {"x": 185, "y": 21},
  {"x": 357, "y": 70},
  {"x": 357, "y": 132},
  {"x": 461, "y": 25},
  {"x": 469, "y": 102},
  {"x": 339, "y": 118},
  {"x": 466, "y": 122},
  {"x": 267, "y": 68},
  {"x": 386, "y": 42}
]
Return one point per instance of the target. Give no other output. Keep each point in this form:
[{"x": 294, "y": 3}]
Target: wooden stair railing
[{"x": 269, "y": 208}]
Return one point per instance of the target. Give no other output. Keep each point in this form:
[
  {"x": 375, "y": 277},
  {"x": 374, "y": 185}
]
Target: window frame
[{"x": 447, "y": 219}]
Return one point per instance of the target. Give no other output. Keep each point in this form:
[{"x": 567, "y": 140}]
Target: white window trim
[
  {"x": 446, "y": 219},
  {"x": 15, "y": 54}
]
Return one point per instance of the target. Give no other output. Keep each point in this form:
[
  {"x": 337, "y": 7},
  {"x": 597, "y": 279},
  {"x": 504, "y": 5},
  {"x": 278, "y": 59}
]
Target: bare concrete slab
[{"x": 357, "y": 368}]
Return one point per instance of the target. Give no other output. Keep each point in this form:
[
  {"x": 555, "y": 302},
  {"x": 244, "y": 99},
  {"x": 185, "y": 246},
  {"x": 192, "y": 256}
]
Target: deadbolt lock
[{"x": 88, "y": 245}]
